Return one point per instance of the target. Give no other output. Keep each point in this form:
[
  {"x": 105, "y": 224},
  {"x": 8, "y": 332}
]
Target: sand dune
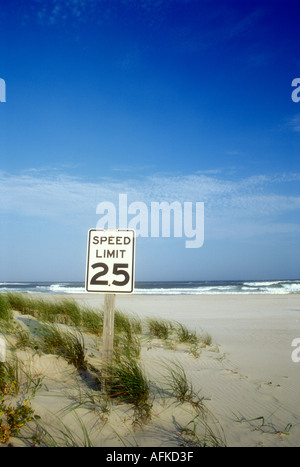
[{"x": 246, "y": 379}]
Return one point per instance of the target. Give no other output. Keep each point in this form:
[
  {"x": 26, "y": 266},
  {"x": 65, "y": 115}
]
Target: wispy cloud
[
  {"x": 248, "y": 206},
  {"x": 244, "y": 24},
  {"x": 55, "y": 11},
  {"x": 294, "y": 123},
  {"x": 289, "y": 124}
]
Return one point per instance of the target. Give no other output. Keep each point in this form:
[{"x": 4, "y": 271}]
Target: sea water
[{"x": 166, "y": 288}]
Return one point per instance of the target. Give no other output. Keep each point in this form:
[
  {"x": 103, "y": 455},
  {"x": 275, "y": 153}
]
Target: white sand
[
  {"x": 255, "y": 333},
  {"x": 247, "y": 374}
]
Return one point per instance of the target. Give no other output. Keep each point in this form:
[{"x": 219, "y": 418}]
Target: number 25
[{"x": 117, "y": 270}]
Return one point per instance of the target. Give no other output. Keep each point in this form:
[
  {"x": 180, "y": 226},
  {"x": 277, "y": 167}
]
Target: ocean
[{"x": 166, "y": 288}]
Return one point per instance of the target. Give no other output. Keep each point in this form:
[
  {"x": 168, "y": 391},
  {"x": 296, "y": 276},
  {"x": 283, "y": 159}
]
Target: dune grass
[
  {"x": 202, "y": 431},
  {"x": 173, "y": 332},
  {"x": 17, "y": 388},
  {"x": 66, "y": 311},
  {"x": 127, "y": 340},
  {"x": 18, "y": 301},
  {"x": 65, "y": 343},
  {"x": 127, "y": 382},
  {"x": 5, "y": 308},
  {"x": 185, "y": 335},
  {"x": 127, "y": 323},
  {"x": 92, "y": 321},
  {"x": 127, "y": 345},
  {"x": 159, "y": 328},
  {"x": 62, "y": 329},
  {"x": 9, "y": 381},
  {"x": 205, "y": 339},
  {"x": 176, "y": 382},
  {"x": 64, "y": 436}
]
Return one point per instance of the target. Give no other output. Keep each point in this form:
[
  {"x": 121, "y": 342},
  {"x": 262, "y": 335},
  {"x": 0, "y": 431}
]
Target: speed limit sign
[{"x": 110, "y": 261}]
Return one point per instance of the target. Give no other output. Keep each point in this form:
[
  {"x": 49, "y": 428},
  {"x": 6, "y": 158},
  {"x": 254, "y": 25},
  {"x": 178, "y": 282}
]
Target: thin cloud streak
[
  {"x": 228, "y": 203},
  {"x": 294, "y": 123}
]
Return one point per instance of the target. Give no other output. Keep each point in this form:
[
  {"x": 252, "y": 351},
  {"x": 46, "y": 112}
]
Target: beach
[
  {"x": 254, "y": 332},
  {"x": 246, "y": 377}
]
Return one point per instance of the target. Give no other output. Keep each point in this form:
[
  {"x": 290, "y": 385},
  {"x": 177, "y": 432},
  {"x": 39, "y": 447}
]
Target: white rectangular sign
[{"x": 110, "y": 261}]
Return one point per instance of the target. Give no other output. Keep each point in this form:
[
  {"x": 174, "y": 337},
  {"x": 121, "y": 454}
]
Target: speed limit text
[{"x": 110, "y": 240}]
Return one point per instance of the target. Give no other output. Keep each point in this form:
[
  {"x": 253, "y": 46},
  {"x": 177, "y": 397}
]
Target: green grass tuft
[
  {"x": 128, "y": 382},
  {"x": 5, "y": 308},
  {"x": 159, "y": 328},
  {"x": 64, "y": 343},
  {"x": 185, "y": 335}
]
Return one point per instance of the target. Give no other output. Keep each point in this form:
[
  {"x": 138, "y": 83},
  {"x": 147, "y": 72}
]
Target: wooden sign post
[
  {"x": 110, "y": 270},
  {"x": 108, "y": 327}
]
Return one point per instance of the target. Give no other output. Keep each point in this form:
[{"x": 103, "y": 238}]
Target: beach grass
[
  {"x": 92, "y": 321},
  {"x": 173, "y": 332},
  {"x": 18, "y": 301},
  {"x": 127, "y": 340},
  {"x": 65, "y": 311},
  {"x": 64, "y": 436},
  {"x": 17, "y": 388},
  {"x": 127, "y": 345},
  {"x": 5, "y": 308},
  {"x": 127, "y": 382},
  {"x": 185, "y": 335},
  {"x": 9, "y": 380},
  {"x": 205, "y": 338},
  {"x": 126, "y": 323},
  {"x": 176, "y": 382},
  {"x": 159, "y": 328},
  {"x": 65, "y": 343},
  {"x": 202, "y": 431},
  {"x": 61, "y": 327}
]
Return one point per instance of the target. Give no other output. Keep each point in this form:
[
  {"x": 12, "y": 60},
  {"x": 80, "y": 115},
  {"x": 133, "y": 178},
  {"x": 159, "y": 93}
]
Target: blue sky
[{"x": 164, "y": 100}]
